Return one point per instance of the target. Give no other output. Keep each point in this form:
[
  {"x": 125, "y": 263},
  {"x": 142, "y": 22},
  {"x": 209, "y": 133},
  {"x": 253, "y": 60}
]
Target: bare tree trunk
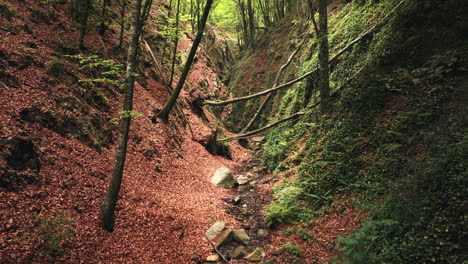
[
  {"x": 176, "y": 43},
  {"x": 122, "y": 22},
  {"x": 84, "y": 8},
  {"x": 251, "y": 14},
  {"x": 110, "y": 200},
  {"x": 324, "y": 69},
  {"x": 103, "y": 26},
  {"x": 164, "y": 114}
]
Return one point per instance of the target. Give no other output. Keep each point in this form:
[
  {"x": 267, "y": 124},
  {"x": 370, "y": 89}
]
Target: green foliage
[
  {"x": 289, "y": 232},
  {"x": 424, "y": 221},
  {"x": 108, "y": 70},
  {"x": 304, "y": 234},
  {"x": 292, "y": 249},
  {"x": 52, "y": 233},
  {"x": 398, "y": 135}
]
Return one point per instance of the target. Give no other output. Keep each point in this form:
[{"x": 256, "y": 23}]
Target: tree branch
[
  {"x": 293, "y": 116},
  {"x": 298, "y": 79},
  {"x": 276, "y": 83}
]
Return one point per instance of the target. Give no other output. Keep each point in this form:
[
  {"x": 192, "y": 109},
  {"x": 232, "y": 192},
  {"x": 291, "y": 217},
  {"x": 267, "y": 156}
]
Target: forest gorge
[{"x": 234, "y": 131}]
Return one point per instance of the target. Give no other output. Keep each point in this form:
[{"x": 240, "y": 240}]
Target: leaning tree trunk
[
  {"x": 164, "y": 114},
  {"x": 176, "y": 43},
  {"x": 84, "y": 8},
  {"x": 324, "y": 70},
  {"x": 110, "y": 201}
]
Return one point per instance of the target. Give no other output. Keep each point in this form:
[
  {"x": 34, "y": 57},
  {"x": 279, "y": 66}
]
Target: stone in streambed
[
  {"x": 241, "y": 236},
  {"x": 224, "y": 238},
  {"x": 212, "y": 258},
  {"x": 239, "y": 252},
  {"x": 215, "y": 230},
  {"x": 241, "y": 180},
  {"x": 223, "y": 178},
  {"x": 257, "y": 255}
]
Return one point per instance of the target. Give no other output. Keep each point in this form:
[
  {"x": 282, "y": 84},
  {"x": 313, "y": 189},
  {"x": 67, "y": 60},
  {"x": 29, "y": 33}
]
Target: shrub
[
  {"x": 292, "y": 249},
  {"x": 52, "y": 233}
]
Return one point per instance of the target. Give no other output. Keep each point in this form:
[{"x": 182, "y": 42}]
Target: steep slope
[{"x": 57, "y": 147}]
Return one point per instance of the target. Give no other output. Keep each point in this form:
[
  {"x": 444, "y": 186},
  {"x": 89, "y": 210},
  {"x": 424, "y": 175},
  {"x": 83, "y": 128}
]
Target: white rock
[{"x": 223, "y": 178}]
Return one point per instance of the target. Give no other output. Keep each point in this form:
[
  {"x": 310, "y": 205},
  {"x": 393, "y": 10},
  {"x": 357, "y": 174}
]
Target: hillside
[{"x": 379, "y": 177}]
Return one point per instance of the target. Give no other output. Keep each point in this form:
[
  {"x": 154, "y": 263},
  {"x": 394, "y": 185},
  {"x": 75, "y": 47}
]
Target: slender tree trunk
[
  {"x": 122, "y": 22},
  {"x": 324, "y": 68},
  {"x": 103, "y": 26},
  {"x": 110, "y": 200},
  {"x": 84, "y": 8},
  {"x": 164, "y": 114},
  {"x": 176, "y": 43},
  {"x": 251, "y": 13}
]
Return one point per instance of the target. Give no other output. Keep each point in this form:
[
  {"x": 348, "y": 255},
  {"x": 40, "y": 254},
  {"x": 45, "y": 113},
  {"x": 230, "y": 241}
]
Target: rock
[
  {"x": 257, "y": 255},
  {"x": 239, "y": 252},
  {"x": 215, "y": 230},
  {"x": 262, "y": 233},
  {"x": 212, "y": 258},
  {"x": 241, "y": 236},
  {"x": 258, "y": 139},
  {"x": 244, "y": 188},
  {"x": 224, "y": 238},
  {"x": 236, "y": 200},
  {"x": 241, "y": 180},
  {"x": 223, "y": 178}
]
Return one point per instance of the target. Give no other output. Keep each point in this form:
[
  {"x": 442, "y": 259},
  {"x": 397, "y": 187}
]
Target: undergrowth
[{"x": 397, "y": 135}]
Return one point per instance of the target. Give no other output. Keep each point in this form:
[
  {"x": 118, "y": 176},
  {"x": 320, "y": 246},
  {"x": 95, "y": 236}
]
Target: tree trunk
[
  {"x": 176, "y": 43},
  {"x": 103, "y": 26},
  {"x": 164, "y": 114},
  {"x": 110, "y": 200},
  {"x": 324, "y": 69},
  {"x": 251, "y": 14},
  {"x": 122, "y": 22},
  {"x": 84, "y": 8}
]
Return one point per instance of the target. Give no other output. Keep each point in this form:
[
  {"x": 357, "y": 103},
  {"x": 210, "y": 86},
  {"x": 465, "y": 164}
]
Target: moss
[
  {"x": 6, "y": 12},
  {"x": 55, "y": 68}
]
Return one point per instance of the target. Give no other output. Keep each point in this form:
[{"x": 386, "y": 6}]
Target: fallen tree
[
  {"x": 315, "y": 70},
  {"x": 294, "y": 116},
  {"x": 275, "y": 84}
]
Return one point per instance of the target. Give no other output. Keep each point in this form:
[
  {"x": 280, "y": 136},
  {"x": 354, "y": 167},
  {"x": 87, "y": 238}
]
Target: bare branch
[
  {"x": 276, "y": 83},
  {"x": 298, "y": 79}
]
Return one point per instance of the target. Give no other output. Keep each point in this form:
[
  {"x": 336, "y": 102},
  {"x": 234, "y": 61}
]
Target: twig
[{"x": 216, "y": 249}]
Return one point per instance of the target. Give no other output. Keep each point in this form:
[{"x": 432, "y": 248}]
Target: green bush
[
  {"x": 52, "y": 233},
  {"x": 424, "y": 222},
  {"x": 292, "y": 249}
]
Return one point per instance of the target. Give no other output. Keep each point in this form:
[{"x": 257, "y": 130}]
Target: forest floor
[{"x": 166, "y": 202}]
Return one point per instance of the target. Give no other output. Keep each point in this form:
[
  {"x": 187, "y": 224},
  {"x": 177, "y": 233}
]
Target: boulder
[
  {"x": 239, "y": 252},
  {"x": 241, "y": 180},
  {"x": 223, "y": 178},
  {"x": 262, "y": 233},
  {"x": 241, "y": 236},
  {"x": 257, "y": 255},
  {"x": 215, "y": 230},
  {"x": 224, "y": 238},
  {"x": 258, "y": 138}
]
